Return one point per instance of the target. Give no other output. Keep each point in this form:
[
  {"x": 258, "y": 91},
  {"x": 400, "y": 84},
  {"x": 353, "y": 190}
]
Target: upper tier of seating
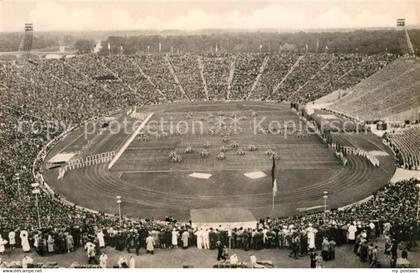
[
  {"x": 391, "y": 93},
  {"x": 164, "y": 78}
]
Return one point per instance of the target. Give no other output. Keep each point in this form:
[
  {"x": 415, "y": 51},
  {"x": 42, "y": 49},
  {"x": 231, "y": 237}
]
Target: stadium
[{"x": 246, "y": 150}]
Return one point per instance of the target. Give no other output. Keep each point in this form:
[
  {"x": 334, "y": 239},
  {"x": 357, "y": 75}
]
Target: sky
[{"x": 56, "y": 15}]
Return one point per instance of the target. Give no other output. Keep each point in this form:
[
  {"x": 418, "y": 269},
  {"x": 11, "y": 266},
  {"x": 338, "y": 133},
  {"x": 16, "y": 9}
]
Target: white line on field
[{"x": 126, "y": 144}]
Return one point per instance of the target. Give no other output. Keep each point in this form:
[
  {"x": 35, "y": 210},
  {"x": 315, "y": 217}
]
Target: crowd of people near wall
[
  {"x": 40, "y": 99},
  {"x": 391, "y": 213}
]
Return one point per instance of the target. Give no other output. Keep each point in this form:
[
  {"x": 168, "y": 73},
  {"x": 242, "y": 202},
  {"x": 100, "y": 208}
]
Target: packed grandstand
[{"x": 66, "y": 92}]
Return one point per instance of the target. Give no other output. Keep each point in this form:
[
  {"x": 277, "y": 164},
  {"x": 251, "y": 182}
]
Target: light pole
[
  {"x": 325, "y": 205},
  {"x": 119, "y": 206},
  {"x": 36, "y": 191},
  {"x": 17, "y": 175}
]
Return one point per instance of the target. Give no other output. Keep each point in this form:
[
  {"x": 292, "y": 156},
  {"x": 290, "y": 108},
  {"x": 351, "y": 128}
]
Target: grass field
[{"x": 153, "y": 186}]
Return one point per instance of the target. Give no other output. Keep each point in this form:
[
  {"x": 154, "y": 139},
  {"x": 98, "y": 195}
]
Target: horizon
[
  {"x": 198, "y": 15},
  {"x": 216, "y": 30}
]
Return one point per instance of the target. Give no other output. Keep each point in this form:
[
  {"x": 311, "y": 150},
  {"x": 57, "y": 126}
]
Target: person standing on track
[
  {"x": 150, "y": 244},
  {"x": 295, "y": 245},
  {"x": 185, "y": 237},
  {"x": 103, "y": 260},
  {"x": 174, "y": 238},
  {"x": 220, "y": 248}
]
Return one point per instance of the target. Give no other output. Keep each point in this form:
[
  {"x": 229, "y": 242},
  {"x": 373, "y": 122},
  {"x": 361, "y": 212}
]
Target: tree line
[
  {"x": 359, "y": 41},
  {"x": 11, "y": 41}
]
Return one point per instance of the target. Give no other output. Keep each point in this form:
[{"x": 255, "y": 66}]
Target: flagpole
[{"x": 273, "y": 182}]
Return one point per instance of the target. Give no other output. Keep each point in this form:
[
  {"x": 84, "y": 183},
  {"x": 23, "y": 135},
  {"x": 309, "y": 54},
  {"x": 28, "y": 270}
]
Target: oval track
[{"x": 107, "y": 184}]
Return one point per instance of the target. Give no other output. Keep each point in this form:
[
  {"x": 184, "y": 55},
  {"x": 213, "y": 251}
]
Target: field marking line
[
  {"x": 128, "y": 142},
  {"x": 310, "y": 208},
  {"x": 219, "y": 170}
]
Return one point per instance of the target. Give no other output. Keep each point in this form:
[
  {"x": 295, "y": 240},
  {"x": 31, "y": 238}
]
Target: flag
[
  {"x": 317, "y": 45},
  {"x": 275, "y": 187},
  {"x": 109, "y": 46},
  {"x": 273, "y": 179},
  {"x": 326, "y": 48},
  {"x": 306, "y": 47},
  {"x": 160, "y": 47},
  {"x": 217, "y": 48}
]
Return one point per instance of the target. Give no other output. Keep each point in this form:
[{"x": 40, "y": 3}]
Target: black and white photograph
[{"x": 210, "y": 134}]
